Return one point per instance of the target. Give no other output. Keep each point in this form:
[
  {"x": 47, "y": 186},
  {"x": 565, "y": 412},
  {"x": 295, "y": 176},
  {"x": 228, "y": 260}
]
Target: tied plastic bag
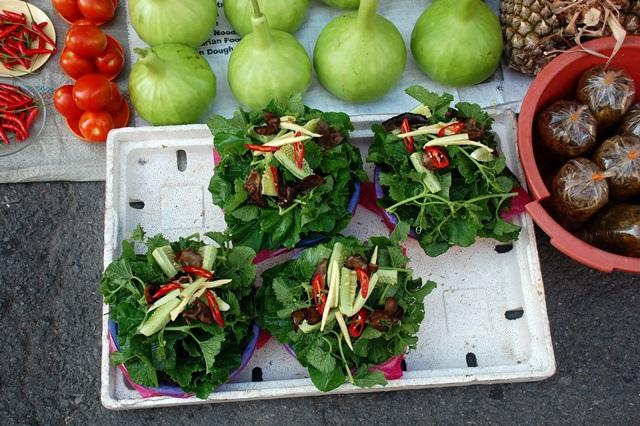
[
  {"x": 578, "y": 190},
  {"x": 567, "y": 129},
  {"x": 608, "y": 91},
  {"x": 615, "y": 229},
  {"x": 631, "y": 122},
  {"x": 619, "y": 157}
]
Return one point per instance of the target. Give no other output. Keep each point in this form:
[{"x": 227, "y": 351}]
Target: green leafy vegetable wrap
[
  {"x": 183, "y": 310},
  {"x": 345, "y": 307},
  {"x": 286, "y": 174},
  {"x": 438, "y": 170}
]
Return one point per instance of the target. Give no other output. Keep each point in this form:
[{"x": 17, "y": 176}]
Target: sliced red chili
[
  {"x": 408, "y": 141},
  {"x": 319, "y": 293},
  {"x": 298, "y": 153},
  {"x": 166, "y": 289},
  {"x": 358, "y": 323},
  {"x": 274, "y": 175},
  {"x": 437, "y": 159},
  {"x": 363, "y": 277},
  {"x": 200, "y": 272},
  {"x": 3, "y": 136},
  {"x": 214, "y": 308},
  {"x": 452, "y": 129},
  {"x": 261, "y": 148}
]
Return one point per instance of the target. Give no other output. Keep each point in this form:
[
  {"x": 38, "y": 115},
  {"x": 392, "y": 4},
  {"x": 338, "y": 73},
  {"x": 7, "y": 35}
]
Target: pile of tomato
[
  {"x": 93, "y": 105},
  {"x": 96, "y": 11}
]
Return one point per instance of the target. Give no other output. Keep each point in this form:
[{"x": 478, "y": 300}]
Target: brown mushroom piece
[
  {"x": 608, "y": 91},
  {"x": 297, "y": 317},
  {"x": 619, "y": 157},
  {"x": 189, "y": 257},
  {"x": 578, "y": 190},
  {"x": 356, "y": 261},
  {"x": 391, "y": 306},
  {"x": 312, "y": 316},
  {"x": 566, "y": 129},
  {"x": 616, "y": 229},
  {"x": 198, "y": 311}
]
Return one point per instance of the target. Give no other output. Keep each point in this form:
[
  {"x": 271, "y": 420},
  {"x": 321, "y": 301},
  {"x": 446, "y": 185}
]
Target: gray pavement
[{"x": 50, "y": 263}]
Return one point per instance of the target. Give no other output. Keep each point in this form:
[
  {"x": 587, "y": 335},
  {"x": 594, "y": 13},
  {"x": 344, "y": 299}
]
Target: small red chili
[
  {"x": 214, "y": 308},
  {"x": 358, "y": 322},
  {"x": 166, "y": 289},
  {"x": 200, "y": 272},
  {"x": 298, "y": 152},
  {"x": 408, "y": 141},
  {"x": 363, "y": 277},
  {"x": 437, "y": 159},
  {"x": 319, "y": 294},
  {"x": 274, "y": 175},
  {"x": 453, "y": 129},
  {"x": 261, "y": 148}
]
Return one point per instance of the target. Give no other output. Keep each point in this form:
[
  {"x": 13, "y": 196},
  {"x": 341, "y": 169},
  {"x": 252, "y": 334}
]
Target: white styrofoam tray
[{"x": 488, "y": 309}]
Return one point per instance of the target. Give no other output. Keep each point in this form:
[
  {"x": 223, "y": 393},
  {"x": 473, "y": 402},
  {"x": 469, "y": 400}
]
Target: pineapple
[{"x": 536, "y": 31}]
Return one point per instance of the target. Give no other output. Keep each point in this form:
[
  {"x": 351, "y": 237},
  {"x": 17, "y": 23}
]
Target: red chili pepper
[
  {"x": 274, "y": 175},
  {"x": 437, "y": 157},
  {"x": 214, "y": 308},
  {"x": 8, "y": 30},
  {"x": 408, "y": 141},
  {"x": 18, "y": 18},
  {"x": 3, "y": 136},
  {"x": 195, "y": 270},
  {"x": 358, "y": 322},
  {"x": 261, "y": 148},
  {"x": 31, "y": 117},
  {"x": 15, "y": 129},
  {"x": 363, "y": 277},
  {"x": 454, "y": 128},
  {"x": 16, "y": 121},
  {"x": 298, "y": 154},
  {"x": 38, "y": 29},
  {"x": 319, "y": 293},
  {"x": 31, "y": 52},
  {"x": 166, "y": 289}
]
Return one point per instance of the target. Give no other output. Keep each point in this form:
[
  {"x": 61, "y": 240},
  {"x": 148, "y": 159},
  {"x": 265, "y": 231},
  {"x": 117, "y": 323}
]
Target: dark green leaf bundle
[
  {"x": 286, "y": 289},
  {"x": 294, "y": 210},
  {"x": 195, "y": 356},
  {"x": 471, "y": 191}
]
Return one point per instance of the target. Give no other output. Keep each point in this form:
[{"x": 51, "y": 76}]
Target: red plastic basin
[{"x": 558, "y": 80}]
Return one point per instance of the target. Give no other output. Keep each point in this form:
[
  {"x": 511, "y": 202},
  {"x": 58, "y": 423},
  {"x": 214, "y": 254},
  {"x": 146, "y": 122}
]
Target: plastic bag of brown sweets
[
  {"x": 567, "y": 129},
  {"x": 608, "y": 91},
  {"x": 578, "y": 190},
  {"x": 616, "y": 229},
  {"x": 619, "y": 157},
  {"x": 631, "y": 122}
]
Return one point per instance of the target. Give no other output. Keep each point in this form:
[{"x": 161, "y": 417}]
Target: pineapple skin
[{"x": 530, "y": 28}]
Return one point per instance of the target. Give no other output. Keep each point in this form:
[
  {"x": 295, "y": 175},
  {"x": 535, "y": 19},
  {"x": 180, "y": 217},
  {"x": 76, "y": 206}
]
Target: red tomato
[
  {"x": 63, "y": 101},
  {"x": 86, "y": 40},
  {"x": 95, "y": 125},
  {"x": 112, "y": 42},
  {"x": 92, "y": 92},
  {"x": 74, "y": 65},
  {"x": 121, "y": 118},
  {"x": 67, "y": 8},
  {"x": 81, "y": 22},
  {"x": 116, "y": 99},
  {"x": 98, "y": 11},
  {"x": 110, "y": 62}
]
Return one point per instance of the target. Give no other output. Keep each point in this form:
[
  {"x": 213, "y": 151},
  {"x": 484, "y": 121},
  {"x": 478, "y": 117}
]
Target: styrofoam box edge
[{"x": 533, "y": 301}]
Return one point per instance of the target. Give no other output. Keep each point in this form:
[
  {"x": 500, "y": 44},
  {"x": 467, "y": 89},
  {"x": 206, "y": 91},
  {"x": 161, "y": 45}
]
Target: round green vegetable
[
  {"x": 342, "y": 4},
  {"x": 267, "y": 65},
  {"x": 171, "y": 84},
  {"x": 457, "y": 42},
  {"x": 283, "y": 15},
  {"x": 360, "y": 56},
  {"x": 188, "y": 22}
]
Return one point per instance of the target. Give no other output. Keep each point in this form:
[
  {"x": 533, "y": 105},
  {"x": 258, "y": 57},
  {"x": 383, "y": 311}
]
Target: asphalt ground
[{"x": 50, "y": 264}]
